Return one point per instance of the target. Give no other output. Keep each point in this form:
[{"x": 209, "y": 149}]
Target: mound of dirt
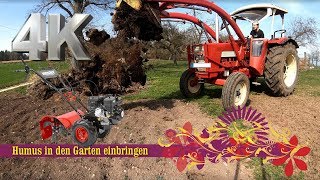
[
  {"x": 97, "y": 37},
  {"x": 143, "y": 24},
  {"x": 115, "y": 68}
]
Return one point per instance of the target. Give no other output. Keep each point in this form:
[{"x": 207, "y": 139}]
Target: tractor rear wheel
[
  {"x": 235, "y": 91},
  {"x": 189, "y": 85},
  {"x": 84, "y": 133},
  {"x": 281, "y": 69}
]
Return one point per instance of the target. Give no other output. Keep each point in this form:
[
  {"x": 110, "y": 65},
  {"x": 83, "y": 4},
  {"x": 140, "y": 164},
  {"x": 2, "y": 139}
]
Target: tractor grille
[{"x": 198, "y": 56}]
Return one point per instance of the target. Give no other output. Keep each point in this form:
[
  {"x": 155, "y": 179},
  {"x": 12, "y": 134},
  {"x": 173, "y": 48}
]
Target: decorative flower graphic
[
  {"x": 240, "y": 133},
  {"x": 295, "y": 152}
]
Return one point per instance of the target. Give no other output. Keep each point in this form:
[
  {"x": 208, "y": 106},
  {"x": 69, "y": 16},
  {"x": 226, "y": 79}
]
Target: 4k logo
[{"x": 32, "y": 36}]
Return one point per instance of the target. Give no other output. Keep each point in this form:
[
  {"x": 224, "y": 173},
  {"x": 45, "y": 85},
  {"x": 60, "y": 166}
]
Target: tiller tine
[{"x": 46, "y": 126}]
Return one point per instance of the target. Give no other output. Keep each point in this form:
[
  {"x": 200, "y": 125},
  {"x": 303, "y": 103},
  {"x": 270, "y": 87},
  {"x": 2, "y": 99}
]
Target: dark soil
[
  {"x": 143, "y": 24},
  {"x": 145, "y": 121}
]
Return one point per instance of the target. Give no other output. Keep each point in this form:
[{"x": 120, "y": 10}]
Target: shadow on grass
[
  {"x": 167, "y": 101},
  {"x": 211, "y": 93}
]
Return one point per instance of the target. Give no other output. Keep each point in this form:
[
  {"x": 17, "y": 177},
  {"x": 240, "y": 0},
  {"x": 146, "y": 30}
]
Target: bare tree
[
  {"x": 304, "y": 31},
  {"x": 73, "y": 6},
  {"x": 314, "y": 57},
  {"x": 195, "y": 31},
  {"x": 195, "y": 34},
  {"x": 174, "y": 41}
]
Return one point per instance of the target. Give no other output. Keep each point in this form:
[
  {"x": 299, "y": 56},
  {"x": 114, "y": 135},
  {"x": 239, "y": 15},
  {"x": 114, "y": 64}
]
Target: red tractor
[{"x": 235, "y": 62}]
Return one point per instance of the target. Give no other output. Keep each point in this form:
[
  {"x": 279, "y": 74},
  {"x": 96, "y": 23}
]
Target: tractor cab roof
[{"x": 257, "y": 12}]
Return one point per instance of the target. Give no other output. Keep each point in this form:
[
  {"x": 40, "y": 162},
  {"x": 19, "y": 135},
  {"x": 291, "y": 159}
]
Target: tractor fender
[
  {"x": 282, "y": 41},
  {"x": 67, "y": 120}
]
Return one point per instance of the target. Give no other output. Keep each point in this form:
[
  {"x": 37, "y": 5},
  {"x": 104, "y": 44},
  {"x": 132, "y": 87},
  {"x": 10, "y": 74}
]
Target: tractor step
[
  {"x": 201, "y": 81},
  {"x": 256, "y": 83}
]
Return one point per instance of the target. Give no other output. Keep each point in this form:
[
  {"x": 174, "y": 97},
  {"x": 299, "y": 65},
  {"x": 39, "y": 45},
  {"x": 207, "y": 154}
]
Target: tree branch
[
  {"x": 64, "y": 8},
  {"x": 49, "y": 8}
]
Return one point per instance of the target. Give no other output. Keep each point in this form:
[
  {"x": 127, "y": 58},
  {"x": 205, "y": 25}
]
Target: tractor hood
[{"x": 257, "y": 12}]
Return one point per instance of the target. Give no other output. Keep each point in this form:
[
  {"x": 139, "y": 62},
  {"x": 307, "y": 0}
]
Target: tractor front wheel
[
  {"x": 84, "y": 133},
  {"x": 189, "y": 85},
  {"x": 235, "y": 91},
  {"x": 281, "y": 69}
]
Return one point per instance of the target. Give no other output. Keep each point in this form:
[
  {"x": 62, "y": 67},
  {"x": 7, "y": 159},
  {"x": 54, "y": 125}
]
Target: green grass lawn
[
  {"x": 9, "y": 77},
  {"x": 309, "y": 82},
  {"x": 163, "y": 83}
]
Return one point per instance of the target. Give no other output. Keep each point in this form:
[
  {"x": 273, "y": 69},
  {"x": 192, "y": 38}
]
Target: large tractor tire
[
  {"x": 84, "y": 133},
  {"x": 189, "y": 85},
  {"x": 235, "y": 91},
  {"x": 281, "y": 69}
]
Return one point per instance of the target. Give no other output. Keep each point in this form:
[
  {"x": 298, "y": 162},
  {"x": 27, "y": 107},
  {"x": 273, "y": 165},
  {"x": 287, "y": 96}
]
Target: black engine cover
[
  {"x": 107, "y": 103},
  {"x": 95, "y": 102}
]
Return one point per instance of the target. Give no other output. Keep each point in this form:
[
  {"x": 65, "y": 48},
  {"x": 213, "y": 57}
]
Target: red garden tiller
[{"x": 84, "y": 126}]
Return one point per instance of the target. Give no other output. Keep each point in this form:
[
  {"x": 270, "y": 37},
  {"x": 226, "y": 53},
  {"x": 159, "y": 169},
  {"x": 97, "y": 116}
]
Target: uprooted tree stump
[{"x": 116, "y": 63}]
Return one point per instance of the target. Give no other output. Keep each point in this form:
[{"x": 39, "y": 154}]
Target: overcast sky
[{"x": 13, "y": 14}]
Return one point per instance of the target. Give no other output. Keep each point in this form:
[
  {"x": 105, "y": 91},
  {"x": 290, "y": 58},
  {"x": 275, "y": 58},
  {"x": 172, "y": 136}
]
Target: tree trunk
[
  {"x": 74, "y": 64},
  {"x": 77, "y": 7},
  {"x": 175, "y": 62},
  {"x": 175, "y": 59}
]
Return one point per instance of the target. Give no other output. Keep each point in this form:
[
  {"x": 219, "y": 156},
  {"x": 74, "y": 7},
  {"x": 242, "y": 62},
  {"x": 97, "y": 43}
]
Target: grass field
[
  {"x": 9, "y": 76},
  {"x": 309, "y": 82},
  {"x": 163, "y": 82}
]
